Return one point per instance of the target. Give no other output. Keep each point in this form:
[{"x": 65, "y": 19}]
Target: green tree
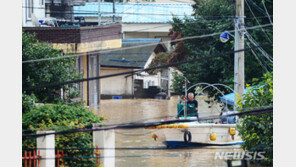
[
  {"x": 45, "y": 72},
  {"x": 211, "y": 17},
  {"x": 63, "y": 117},
  {"x": 257, "y": 130}
]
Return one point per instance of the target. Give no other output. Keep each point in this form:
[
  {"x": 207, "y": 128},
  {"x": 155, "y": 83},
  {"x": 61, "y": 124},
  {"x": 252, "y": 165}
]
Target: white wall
[
  {"x": 115, "y": 85},
  {"x": 38, "y": 10},
  {"x": 149, "y": 80}
]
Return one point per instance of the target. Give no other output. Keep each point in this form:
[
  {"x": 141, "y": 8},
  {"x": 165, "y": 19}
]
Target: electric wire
[
  {"x": 155, "y": 123},
  {"x": 250, "y": 38},
  {"x": 257, "y": 7},
  {"x": 139, "y": 70},
  {"x": 259, "y": 61},
  {"x": 124, "y": 13},
  {"x": 257, "y": 21},
  {"x": 117, "y": 148},
  {"x": 139, "y": 46},
  {"x": 267, "y": 12}
]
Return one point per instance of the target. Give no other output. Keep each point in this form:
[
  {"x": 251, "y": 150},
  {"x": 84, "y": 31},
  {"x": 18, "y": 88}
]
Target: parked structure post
[
  {"x": 105, "y": 139},
  {"x": 47, "y": 153}
]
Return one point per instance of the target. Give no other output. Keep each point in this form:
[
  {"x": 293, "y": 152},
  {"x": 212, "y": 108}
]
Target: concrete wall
[
  {"x": 38, "y": 10},
  {"x": 119, "y": 85}
]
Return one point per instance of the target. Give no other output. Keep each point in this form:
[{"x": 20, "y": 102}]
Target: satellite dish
[{"x": 224, "y": 37}]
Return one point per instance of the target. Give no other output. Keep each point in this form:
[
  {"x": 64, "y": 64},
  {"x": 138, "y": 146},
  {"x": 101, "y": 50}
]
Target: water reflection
[{"x": 146, "y": 151}]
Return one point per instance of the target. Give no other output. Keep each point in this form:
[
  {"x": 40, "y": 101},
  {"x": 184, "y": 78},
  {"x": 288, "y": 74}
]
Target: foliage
[
  {"x": 63, "y": 117},
  {"x": 160, "y": 59},
  {"x": 212, "y": 17},
  {"x": 177, "y": 83},
  {"x": 257, "y": 130},
  {"x": 28, "y": 102},
  {"x": 45, "y": 72}
]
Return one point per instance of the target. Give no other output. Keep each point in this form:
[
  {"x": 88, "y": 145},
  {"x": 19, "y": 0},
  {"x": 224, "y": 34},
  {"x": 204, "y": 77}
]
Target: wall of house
[
  {"x": 115, "y": 86},
  {"x": 38, "y": 10},
  {"x": 85, "y": 40}
]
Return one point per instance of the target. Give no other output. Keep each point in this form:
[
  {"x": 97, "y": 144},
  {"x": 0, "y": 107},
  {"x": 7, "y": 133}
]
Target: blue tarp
[{"x": 229, "y": 98}]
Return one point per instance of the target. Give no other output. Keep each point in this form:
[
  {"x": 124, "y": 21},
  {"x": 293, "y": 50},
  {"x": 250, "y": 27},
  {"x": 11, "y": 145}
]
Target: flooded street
[{"x": 136, "y": 147}]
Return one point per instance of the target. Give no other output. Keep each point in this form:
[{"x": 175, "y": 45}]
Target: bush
[
  {"x": 45, "y": 72},
  {"x": 257, "y": 130},
  {"x": 63, "y": 117},
  {"x": 178, "y": 83},
  {"x": 28, "y": 102}
]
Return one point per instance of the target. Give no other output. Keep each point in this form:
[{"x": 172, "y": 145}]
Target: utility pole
[
  {"x": 113, "y": 11},
  {"x": 239, "y": 63},
  {"x": 169, "y": 76},
  {"x": 99, "y": 12}
]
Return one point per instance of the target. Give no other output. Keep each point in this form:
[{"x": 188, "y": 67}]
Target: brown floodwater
[{"x": 136, "y": 147}]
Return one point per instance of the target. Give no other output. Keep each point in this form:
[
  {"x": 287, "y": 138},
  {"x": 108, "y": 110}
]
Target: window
[{"x": 30, "y": 8}]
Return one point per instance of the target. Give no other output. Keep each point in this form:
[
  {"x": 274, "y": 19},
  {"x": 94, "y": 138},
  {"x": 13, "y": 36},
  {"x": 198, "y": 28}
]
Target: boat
[
  {"x": 197, "y": 134},
  {"x": 191, "y": 134}
]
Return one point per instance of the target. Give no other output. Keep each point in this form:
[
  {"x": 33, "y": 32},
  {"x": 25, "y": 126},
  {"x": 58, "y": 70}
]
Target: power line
[
  {"x": 124, "y": 13},
  {"x": 267, "y": 12},
  {"x": 257, "y": 7},
  {"x": 138, "y": 46},
  {"x": 259, "y": 48},
  {"x": 257, "y": 21},
  {"x": 262, "y": 65},
  {"x": 113, "y": 123},
  {"x": 134, "y": 71},
  {"x": 116, "y": 148},
  {"x": 149, "y": 124}
]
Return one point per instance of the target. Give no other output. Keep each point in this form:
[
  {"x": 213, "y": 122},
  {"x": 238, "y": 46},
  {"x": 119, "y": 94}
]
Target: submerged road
[{"x": 142, "y": 149}]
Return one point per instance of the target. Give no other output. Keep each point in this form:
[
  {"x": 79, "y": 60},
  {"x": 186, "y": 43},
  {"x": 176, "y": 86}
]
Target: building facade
[
  {"x": 128, "y": 60},
  {"x": 85, "y": 41},
  {"x": 33, "y": 10},
  {"x": 139, "y": 20}
]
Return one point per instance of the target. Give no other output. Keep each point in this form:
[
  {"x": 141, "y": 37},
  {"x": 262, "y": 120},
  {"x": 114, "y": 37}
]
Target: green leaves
[
  {"x": 212, "y": 17},
  {"x": 62, "y": 117},
  {"x": 258, "y": 129},
  {"x": 45, "y": 72}
]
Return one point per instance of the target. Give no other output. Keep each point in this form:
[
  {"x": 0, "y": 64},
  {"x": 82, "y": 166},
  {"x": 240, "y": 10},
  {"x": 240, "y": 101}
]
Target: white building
[{"x": 33, "y": 10}]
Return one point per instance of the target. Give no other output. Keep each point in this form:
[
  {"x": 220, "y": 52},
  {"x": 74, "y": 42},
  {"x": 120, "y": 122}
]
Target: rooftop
[
  {"x": 76, "y": 34},
  {"x": 137, "y": 12},
  {"x": 132, "y": 58}
]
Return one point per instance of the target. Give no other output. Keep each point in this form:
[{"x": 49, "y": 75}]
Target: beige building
[
  {"x": 86, "y": 41},
  {"x": 125, "y": 61}
]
